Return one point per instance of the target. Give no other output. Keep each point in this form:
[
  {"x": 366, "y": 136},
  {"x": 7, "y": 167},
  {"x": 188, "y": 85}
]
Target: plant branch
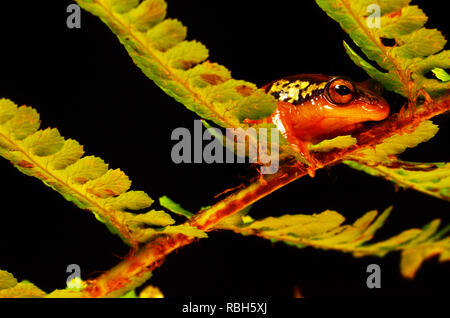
[{"x": 129, "y": 273}]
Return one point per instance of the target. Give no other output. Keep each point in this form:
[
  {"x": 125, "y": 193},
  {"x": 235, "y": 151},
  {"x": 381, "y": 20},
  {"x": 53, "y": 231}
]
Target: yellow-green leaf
[
  {"x": 85, "y": 169},
  {"x": 146, "y": 14},
  {"x": 403, "y": 65},
  {"x": 85, "y": 181},
  {"x": 7, "y": 110},
  {"x": 151, "y": 292},
  {"x": 24, "y": 123},
  {"x": 7, "y": 280},
  {"x": 159, "y": 48},
  {"x": 70, "y": 153},
  {"x": 298, "y": 225},
  {"x": 131, "y": 200},
  {"x": 441, "y": 74},
  {"x": 44, "y": 142},
  {"x": 339, "y": 142},
  {"x": 174, "y": 207},
  {"x": 185, "y": 230},
  {"x": 325, "y": 231},
  {"x": 166, "y": 34},
  {"x": 430, "y": 178},
  {"x": 157, "y": 218},
  {"x": 23, "y": 289},
  {"x": 112, "y": 183},
  {"x": 398, "y": 143}
]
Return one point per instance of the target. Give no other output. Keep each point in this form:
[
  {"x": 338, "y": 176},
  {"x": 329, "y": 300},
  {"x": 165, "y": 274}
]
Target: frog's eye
[{"x": 340, "y": 91}]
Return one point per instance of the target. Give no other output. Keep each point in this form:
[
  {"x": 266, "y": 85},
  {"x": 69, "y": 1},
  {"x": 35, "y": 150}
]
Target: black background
[{"x": 83, "y": 82}]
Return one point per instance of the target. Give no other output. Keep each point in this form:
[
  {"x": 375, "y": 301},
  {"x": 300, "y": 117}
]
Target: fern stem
[
  {"x": 104, "y": 213},
  {"x": 129, "y": 273},
  {"x": 118, "y": 27}
]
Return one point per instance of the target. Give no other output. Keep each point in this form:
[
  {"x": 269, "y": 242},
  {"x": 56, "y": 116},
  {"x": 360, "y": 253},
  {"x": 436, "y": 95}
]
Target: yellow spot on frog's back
[
  {"x": 313, "y": 87},
  {"x": 292, "y": 91},
  {"x": 285, "y": 85},
  {"x": 278, "y": 86},
  {"x": 301, "y": 84},
  {"x": 288, "y": 91}
]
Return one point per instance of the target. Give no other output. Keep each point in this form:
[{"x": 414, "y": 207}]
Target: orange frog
[{"x": 314, "y": 107}]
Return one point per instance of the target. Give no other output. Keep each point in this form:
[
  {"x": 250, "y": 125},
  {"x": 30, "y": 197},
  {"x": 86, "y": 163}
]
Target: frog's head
[
  {"x": 321, "y": 106},
  {"x": 343, "y": 107},
  {"x": 355, "y": 102}
]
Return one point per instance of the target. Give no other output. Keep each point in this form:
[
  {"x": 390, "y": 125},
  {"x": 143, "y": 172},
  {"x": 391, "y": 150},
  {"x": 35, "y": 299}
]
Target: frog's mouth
[
  {"x": 354, "y": 129},
  {"x": 357, "y": 128},
  {"x": 350, "y": 129}
]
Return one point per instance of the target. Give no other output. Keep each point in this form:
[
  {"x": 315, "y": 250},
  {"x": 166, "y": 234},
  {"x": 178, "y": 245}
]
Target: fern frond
[
  {"x": 86, "y": 181},
  {"x": 381, "y": 160},
  {"x": 325, "y": 231},
  {"x": 151, "y": 292},
  {"x": 148, "y": 292},
  {"x": 398, "y": 143},
  {"x": 174, "y": 207},
  {"x": 340, "y": 142},
  {"x": 430, "y": 178},
  {"x": 11, "y": 288},
  {"x": 417, "y": 50},
  {"x": 441, "y": 74},
  {"x": 158, "y": 47}
]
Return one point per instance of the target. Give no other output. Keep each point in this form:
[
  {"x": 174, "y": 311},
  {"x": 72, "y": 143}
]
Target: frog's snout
[
  {"x": 372, "y": 102},
  {"x": 376, "y": 107}
]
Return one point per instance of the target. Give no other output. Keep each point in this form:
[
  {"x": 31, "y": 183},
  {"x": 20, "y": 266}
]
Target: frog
[{"x": 314, "y": 107}]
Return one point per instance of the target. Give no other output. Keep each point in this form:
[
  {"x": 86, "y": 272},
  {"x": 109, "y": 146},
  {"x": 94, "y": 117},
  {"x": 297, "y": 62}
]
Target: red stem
[{"x": 135, "y": 269}]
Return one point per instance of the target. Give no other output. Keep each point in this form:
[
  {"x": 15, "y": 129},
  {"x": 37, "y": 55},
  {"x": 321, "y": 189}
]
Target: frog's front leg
[{"x": 284, "y": 124}]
